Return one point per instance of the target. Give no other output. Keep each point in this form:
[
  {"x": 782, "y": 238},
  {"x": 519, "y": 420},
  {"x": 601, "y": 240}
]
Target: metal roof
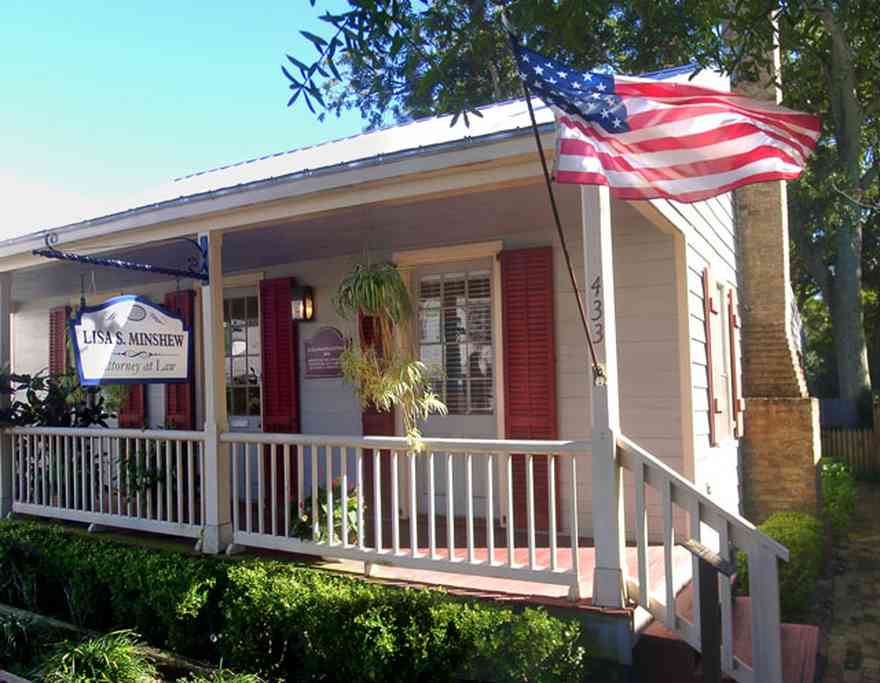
[{"x": 428, "y": 135}]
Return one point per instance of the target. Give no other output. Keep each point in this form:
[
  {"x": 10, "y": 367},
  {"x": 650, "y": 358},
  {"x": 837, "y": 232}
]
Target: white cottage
[{"x": 261, "y": 430}]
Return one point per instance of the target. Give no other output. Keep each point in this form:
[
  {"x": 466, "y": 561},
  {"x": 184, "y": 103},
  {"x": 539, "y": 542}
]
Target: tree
[{"x": 395, "y": 59}]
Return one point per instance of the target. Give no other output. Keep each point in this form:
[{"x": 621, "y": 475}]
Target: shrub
[
  {"x": 171, "y": 599},
  {"x": 838, "y": 494},
  {"x": 278, "y": 620},
  {"x": 802, "y": 535},
  {"x": 282, "y": 620},
  {"x": 112, "y": 658}
]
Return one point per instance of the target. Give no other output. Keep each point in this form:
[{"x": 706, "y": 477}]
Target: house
[{"x": 261, "y": 431}]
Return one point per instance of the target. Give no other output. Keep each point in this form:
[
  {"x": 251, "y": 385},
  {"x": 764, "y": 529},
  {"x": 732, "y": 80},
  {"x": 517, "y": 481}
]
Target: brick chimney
[{"x": 781, "y": 446}]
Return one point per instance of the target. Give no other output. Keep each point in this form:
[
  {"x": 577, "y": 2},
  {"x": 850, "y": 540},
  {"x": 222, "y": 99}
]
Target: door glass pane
[{"x": 243, "y": 358}]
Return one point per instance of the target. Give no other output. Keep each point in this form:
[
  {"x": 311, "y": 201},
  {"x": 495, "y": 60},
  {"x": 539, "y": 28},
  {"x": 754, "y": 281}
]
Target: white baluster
[
  {"x": 551, "y": 489},
  {"x": 642, "y": 535},
  {"x": 191, "y": 483},
  {"x": 328, "y": 472},
  {"x": 694, "y": 513},
  {"x": 286, "y": 501},
  {"x": 273, "y": 496},
  {"x": 248, "y": 507},
  {"x": 490, "y": 508},
  {"x": 343, "y": 493},
  {"x": 511, "y": 545},
  {"x": 377, "y": 500},
  {"x": 726, "y": 602},
  {"x": 469, "y": 488},
  {"x": 300, "y": 480},
  {"x": 169, "y": 484},
  {"x": 668, "y": 543},
  {"x": 395, "y": 505},
  {"x": 432, "y": 509},
  {"x": 573, "y": 531},
  {"x": 316, "y": 523},
  {"x": 530, "y": 507},
  {"x": 236, "y": 513},
  {"x": 261, "y": 490},
  {"x": 450, "y": 510},
  {"x": 178, "y": 453},
  {"x": 359, "y": 467},
  {"x": 413, "y": 507}
]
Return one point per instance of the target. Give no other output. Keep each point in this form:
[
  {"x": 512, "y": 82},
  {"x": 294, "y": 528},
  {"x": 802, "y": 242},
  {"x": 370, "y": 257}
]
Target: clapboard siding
[{"x": 710, "y": 237}]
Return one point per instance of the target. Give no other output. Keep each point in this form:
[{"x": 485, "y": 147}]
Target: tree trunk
[{"x": 850, "y": 348}]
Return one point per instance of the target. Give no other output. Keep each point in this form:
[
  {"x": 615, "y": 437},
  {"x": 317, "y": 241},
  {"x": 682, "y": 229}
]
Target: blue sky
[{"x": 103, "y": 100}]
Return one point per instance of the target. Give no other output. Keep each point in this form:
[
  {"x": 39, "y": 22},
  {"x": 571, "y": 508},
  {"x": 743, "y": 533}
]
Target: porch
[
  {"x": 496, "y": 502},
  {"x": 156, "y": 482}
]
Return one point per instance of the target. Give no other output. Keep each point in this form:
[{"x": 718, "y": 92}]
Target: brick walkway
[{"x": 854, "y": 640}]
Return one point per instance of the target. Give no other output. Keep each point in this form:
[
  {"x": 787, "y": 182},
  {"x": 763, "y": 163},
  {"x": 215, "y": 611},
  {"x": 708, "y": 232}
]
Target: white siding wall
[{"x": 710, "y": 241}]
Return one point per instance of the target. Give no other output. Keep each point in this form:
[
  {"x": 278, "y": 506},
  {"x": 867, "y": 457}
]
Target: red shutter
[
  {"x": 280, "y": 405},
  {"x": 279, "y": 335},
  {"x": 529, "y": 368},
  {"x": 735, "y": 325},
  {"x": 132, "y": 412},
  {"x": 180, "y": 398},
  {"x": 711, "y": 309},
  {"x": 376, "y": 423},
  {"x": 58, "y": 359}
]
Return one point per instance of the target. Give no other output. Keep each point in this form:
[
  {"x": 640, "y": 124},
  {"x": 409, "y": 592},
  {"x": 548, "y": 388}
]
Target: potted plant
[{"x": 381, "y": 368}]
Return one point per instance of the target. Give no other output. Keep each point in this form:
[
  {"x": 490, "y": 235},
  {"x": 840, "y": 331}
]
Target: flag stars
[
  {"x": 562, "y": 74},
  {"x": 618, "y": 123},
  {"x": 606, "y": 113},
  {"x": 601, "y": 86},
  {"x": 538, "y": 70},
  {"x": 576, "y": 86}
]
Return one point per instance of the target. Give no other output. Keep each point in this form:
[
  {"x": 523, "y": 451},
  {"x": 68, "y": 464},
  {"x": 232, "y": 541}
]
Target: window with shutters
[
  {"x": 722, "y": 334},
  {"x": 455, "y": 338},
  {"x": 241, "y": 327}
]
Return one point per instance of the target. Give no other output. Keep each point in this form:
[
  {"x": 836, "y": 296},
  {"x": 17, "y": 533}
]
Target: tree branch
[{"x": 809, "y": 252}]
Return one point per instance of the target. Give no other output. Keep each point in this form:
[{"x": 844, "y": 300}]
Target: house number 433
[{"x": 596, "y": 311}]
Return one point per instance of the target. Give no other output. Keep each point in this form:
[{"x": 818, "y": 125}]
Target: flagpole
[{"x": 598, "y": 369}]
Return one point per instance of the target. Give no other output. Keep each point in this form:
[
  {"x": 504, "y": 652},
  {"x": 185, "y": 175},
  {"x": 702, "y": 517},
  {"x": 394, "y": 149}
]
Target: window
[
  {"x": 241, "y": 331},
  {"x": 455, "y": 338}
]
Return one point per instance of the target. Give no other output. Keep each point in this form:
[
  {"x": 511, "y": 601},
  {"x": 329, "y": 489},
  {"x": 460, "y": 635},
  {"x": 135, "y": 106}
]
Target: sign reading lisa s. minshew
[{"x": 129, "y": 340}]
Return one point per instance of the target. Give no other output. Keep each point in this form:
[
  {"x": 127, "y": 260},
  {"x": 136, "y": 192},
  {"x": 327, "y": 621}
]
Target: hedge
[
  {"x": 802, "y": 535},
  {"x": 839, "y": 493},
  {"x": 280, "y": 621}
]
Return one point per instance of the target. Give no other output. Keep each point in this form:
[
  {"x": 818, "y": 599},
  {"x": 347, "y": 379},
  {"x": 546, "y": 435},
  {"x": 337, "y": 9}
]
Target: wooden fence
[{"x": 859, "y": 448}]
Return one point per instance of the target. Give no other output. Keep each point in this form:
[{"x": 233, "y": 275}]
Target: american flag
[{"x": 648, "y": 138}]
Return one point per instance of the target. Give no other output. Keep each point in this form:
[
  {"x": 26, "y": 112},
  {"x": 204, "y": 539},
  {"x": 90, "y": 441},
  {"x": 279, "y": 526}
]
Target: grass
[{"x": 112, "y": 658}]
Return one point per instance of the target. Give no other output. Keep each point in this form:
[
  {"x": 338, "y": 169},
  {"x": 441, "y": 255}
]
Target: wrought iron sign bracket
[{"x": 196, "y": 265}]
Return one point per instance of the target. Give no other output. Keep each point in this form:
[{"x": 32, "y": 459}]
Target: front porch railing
[
  {"x": 146, "y": 480},
  {"x": 439, "y": 509},
  {"x": 463, "y": 506},
  {"x": 713, "y": 525}
]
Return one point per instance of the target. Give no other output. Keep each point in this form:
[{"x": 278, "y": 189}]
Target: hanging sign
[
  {"x": 129, "y": 340},
  {"x": 323, "y": 352}
]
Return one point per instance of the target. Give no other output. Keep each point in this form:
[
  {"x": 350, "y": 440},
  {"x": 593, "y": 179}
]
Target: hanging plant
[{"x": 382, "y": 370}]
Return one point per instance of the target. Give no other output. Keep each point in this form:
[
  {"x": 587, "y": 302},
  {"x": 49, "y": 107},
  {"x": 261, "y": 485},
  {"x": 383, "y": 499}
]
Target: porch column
[
  {"x": 607, "y": 494},
  {"x": 217, "y": 489},
  {"x": 5, "y": 399}
]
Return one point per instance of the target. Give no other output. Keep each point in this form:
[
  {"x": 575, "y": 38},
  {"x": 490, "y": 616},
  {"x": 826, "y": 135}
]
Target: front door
[
  {"x": 243, "y": 366},
  {"x": 455, "y": 338}
]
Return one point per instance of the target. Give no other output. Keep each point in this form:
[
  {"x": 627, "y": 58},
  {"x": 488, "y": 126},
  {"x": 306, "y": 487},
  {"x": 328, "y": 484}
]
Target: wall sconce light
[{"x": 302, "y": 304}]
